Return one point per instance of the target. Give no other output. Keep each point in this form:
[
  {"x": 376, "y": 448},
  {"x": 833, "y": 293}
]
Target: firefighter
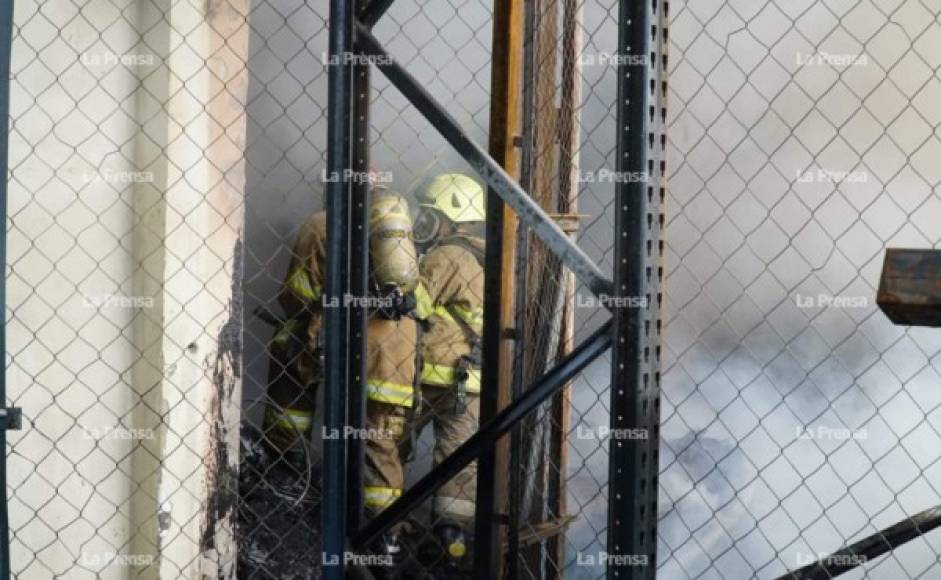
[
  {"x": 295, "y": 370},
  {"x": 391, "y": 351},
  {"x": 450, "y": 305}
]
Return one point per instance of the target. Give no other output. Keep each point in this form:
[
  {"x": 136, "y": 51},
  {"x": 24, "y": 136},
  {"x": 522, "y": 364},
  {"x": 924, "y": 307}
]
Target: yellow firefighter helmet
[{"x": 460, "y": 198}]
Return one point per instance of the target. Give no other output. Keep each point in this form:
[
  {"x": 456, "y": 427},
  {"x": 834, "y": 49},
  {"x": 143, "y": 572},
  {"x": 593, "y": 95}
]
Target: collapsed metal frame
[{"x": 632, "y": 334}]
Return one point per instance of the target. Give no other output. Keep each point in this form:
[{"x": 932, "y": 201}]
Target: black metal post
[
  {"x": 9, "y": 416},
  {"x": 487, "y": 436},
  {"x": 359, "y": 281},
  {"x": 371, "y": 14},
  {"x": 485, "y": 533},
  {"x": 635, "y": 375},
  {"x": 336, "y": 312},
  {"x": 528, "y": 119}
]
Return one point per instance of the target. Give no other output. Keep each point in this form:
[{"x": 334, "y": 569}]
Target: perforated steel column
[
  {"x": 635, "y": 377},
  {"x": 336, "y": 318}
]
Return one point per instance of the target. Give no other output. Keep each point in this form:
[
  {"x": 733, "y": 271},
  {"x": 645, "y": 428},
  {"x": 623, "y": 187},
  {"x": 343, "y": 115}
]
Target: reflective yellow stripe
[
  {"x": 285, "y": 333},
  {"x": 442, "y": 375},
  {"x": 289, "y": 419},
  {"x": 380, "y": 497},
  {"x": 424, "y": 306},
  {"x": 391, "y": 393},
  {"x": 474, "y": 317},
  {"x": 299, "y": 283}
]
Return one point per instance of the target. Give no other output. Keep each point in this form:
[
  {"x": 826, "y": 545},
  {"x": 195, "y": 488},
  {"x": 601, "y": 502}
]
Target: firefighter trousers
[
  {"x": 455, "y": 501},
  {"x": 384, "y": 473}
]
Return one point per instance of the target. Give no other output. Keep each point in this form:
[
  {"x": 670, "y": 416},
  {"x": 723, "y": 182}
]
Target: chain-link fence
[
  {"x": 796, "y": 418},
  {"x": 561, "y": 503},
  {"x": 165, "y": 157}
]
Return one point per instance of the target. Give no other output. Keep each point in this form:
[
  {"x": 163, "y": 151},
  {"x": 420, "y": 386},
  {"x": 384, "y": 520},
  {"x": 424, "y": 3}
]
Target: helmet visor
[{"x": 426, "y": 225}]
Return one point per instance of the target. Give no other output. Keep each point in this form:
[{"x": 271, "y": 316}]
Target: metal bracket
[
  {"x": 568, "y": 222},
  {"x": 11, "y": 419}
]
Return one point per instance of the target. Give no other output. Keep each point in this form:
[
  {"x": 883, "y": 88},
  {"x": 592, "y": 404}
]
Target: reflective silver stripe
[{"x": 454, "y": 507}]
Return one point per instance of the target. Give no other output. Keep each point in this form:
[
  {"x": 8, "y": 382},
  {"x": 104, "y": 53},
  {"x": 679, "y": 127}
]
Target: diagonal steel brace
[
  {"x": 529, "y": 212},
  {"x": 550, "y": 383}
]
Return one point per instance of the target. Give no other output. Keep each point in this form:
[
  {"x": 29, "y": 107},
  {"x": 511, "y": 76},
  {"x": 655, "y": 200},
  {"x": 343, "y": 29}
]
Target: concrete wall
[{"x": 125, "y": 228}]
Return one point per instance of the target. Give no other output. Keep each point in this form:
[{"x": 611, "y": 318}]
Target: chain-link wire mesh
[
  {"x": 796, "y": 417},
  {"x": 569, "y": 165},
  {"x": 165, "y": 156},
  {"x": 123, "y": 326}
]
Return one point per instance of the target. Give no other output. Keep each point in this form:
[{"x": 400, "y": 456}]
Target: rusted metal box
[{"x": 910, "y": 287}]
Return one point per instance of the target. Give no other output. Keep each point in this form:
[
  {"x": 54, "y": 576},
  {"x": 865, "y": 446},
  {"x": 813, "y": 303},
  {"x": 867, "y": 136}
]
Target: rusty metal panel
[{"x": 910, "y": 287}]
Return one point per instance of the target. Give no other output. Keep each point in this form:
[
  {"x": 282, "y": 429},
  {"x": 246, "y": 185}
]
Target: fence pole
[
  {"x": 635, "y": 373},
  {"x": 8, "y": 417},
  {"x": 336, "y": 316}
]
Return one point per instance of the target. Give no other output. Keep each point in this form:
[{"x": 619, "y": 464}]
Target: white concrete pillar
[{"x": 126, "y": 214}]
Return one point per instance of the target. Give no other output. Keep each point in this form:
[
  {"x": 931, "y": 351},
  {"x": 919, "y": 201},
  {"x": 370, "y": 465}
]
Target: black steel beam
[
  {"x": 635, "y": 373},
  {"x": 374, "y": 11},
  {"x": 336, "y": 320},
  {"x": 485, "y": 522},
  {"x": 6, "y": 41},
  {"x": 359, "y": 286},
  {"x": 487, "y": 436},
  {"x": 527, "y": 163},
  {"x": 501, "y": 228},
  {"x": 528, "y": 211},
  {"x": 869, "y": 548}
]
